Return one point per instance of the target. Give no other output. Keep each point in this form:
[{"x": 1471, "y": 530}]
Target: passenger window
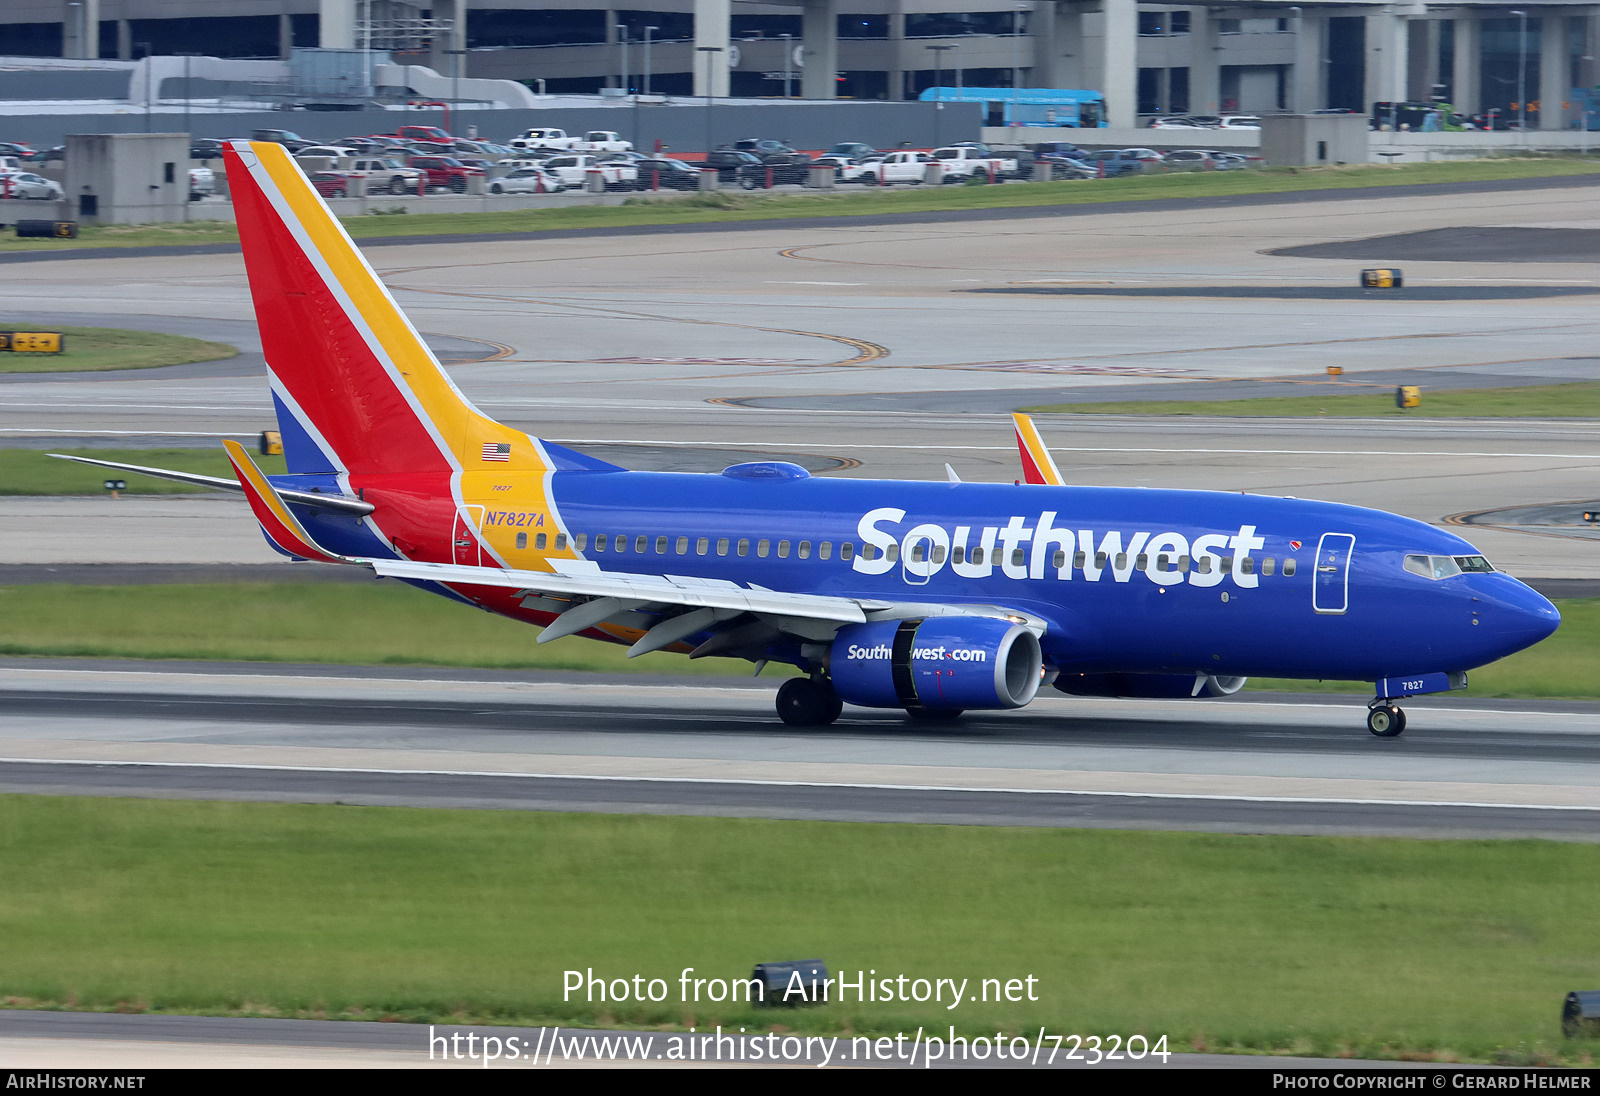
[
  {"x": 1101, "y": 559},
  {"x": 938, "y": 553},
  {"x": 722, "y": 546},
  {"x": 1141, "y": 562},
  {"x": 1183, "y": 565},
  {"x": 846, "y": 550},
  {"x": 1079, "y": 559},
  {"x": 522, "y": 540},
  {"x": 1059, "y": 560},
  {"x": 579, "y": 542},
  {"x": 1225, "y": 565},
  {"x": 1122, "y": 561},
  {"x": 683, "y": 546},
  {"x": 1268, "y": 566},
  {"x": 661, "y": 546},
  {"x": 599, "y": 542},
  {"x": 958, "y": 554},
  {"x": 1288, "y": 568},
  {"x": 744, "y": 547},
  {"x": 538, "y": 541},
  {"x": 977, "y": 554},
  {"x": 892, "y": 553},
  {"x": 825, "y": 550},
  {"x": 561, "y": 542},
  {"x": 619, "y": 543},
  {"x": 702, "y": 546},
  {"x": 642, "y": 545},
  {"x": 919, "y": 552},
  {"x": 803, "y": 549},
  {"x": 783, "y": 549},
  {"x": 761, "y": 548},
  {"x": 1203, "y": 564},
  {"x": 1247, "y": 565},
  {"x": 1017, "y": 557}
]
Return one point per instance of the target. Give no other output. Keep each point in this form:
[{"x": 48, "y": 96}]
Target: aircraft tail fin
[
  {"x": 1037, "y": 464},
  {"x": 356, "y": 388}
]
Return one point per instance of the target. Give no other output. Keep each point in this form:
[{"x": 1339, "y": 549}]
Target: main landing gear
[
  {"x": 1385, "y": 720},
  {"x": 808, "y": 702}
]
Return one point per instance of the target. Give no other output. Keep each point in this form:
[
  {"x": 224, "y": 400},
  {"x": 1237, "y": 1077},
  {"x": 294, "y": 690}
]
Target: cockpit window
[{"x": 1437, "y": 567}]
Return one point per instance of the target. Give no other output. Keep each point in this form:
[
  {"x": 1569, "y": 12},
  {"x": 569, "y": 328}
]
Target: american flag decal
[{"x": 500, "y": 451}]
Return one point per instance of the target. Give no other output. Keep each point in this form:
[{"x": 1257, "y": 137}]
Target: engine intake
[
  {"x": 937, "y": 663},
  {"x": 1150, "y": 686}
]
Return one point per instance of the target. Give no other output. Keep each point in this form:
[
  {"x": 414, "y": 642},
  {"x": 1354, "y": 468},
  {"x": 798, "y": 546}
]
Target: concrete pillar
[
  {"x": 1119, "y": 62},
  {"x": 337, "y": 23},
  {"x": 1465, "y": 94},
  {"x": 1309, "y": 79},
  {"x": 897, "y": 54},
  {"x": 710, "y": 32},
  {"x": 1430, "y": 72},
  {"x": 1386, "y": 59},
  {"x": 1058, "y": 45},
  {"x": 124, "y": 40},
  {"x": 80, "y": 29},
  {"x": 1205, "y": 70},
  {"x": 613, "y": 77},
  {"x": 819, "y": 33},
  {"x": 1555, "y": 68},
  {"x": 443, "y": 61},
  {"x": 1422, "y": 59},
  {"x": 285, "y": 36}
]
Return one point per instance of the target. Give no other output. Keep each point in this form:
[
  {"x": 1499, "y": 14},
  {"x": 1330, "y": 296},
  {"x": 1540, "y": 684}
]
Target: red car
[
  {"x": 446, "y": 172},
  {"x": 331, "y": 184}
]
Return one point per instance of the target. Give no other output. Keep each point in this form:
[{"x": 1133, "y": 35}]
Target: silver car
[
  {"x": 528, "y": 180},
  {"x": 25, "y": 184}
]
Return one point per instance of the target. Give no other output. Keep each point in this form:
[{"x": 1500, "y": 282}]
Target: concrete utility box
[
  {"x": 128, "y": 178},
  {"x": 1314, "y": 140}
]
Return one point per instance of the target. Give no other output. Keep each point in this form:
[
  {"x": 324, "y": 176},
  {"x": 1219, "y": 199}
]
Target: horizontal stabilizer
[
  {"x": 277, "y": 520},
  {"x": 343, "y": 504}
]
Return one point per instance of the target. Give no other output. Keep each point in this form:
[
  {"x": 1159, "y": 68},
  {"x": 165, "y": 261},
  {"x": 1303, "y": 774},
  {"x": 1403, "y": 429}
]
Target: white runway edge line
[{"x": 1308, "y": 800}]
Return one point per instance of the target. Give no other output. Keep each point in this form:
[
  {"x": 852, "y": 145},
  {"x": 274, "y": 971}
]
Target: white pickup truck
[
  {"x": 574, "y": 170},
  {"x": 601, "y": 140},
  {"x": 962, "y": 162},
  {"x": 897, "y": 167},
  {"x": 542, "y": 138}
]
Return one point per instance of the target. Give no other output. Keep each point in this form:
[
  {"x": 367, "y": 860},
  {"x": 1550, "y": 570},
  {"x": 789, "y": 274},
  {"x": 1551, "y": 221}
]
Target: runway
[{"x": 1251, "y": 764}]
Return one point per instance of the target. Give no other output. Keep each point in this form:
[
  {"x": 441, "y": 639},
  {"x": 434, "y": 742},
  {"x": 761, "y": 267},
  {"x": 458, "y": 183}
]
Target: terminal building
[{"x": 1245, "y": 57}]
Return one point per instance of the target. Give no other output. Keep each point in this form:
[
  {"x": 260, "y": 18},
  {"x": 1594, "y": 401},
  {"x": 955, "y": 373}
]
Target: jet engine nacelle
[
  {"x": 939, "y": 663},
  {"x": 1150, "y": 686}
]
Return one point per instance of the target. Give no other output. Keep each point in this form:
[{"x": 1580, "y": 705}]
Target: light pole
[
  {"x": 938, "y": 83},
  {"x": 710, "y": 53},
  {"x": 788, "y": 62},
  {"x": 648, "y": 31},
  {"x": 1522, "y": 71},
  {"x": 1294, "y": 69},
  {"x": 622, "y": 38},
  {"x": 455, "y": 56}
]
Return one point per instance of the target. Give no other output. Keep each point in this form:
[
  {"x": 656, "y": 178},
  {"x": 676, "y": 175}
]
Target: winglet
[
  {"x": 1037, "y": 464},
  {"x": 277, "y": 520}
]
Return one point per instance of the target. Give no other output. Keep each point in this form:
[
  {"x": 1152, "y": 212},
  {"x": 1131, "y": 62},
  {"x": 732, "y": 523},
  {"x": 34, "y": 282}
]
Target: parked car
[
  {"x": 845, "y": 169},
  {"x": 288, "y": 138},
  {"x": 855, "y": 150},
  {"x": 601, "y": 140},
  {"x": 733, "y": 166},
  {"x": 25, "y": 184},
  {"x": 669, "y": 173},
  {"x": 205, "y": 148},
  {"x": 445, "y": 172},
  {"x": 332, "y": 152},
  {"x": 574, "y": 168},
  {"x": 1202, "y": 159},
  {"x": 331, "y": 184},
  {"x": 541, "y": 137},
  {"x": 528, "y": 180},
  {"x": 15, "y": 148},
  {"x": 202, "y": 183},
  {"x": 385, "y": 173},
  {"x": 1240, "y": 121},
  {"x": 1111, "y": 163}
]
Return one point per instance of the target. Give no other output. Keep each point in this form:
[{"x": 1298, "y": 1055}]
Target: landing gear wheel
[
  {"x": 933, "y": 715},
  {"x": 1386, "y": 721},
  {"x": 806, "y": 703}
]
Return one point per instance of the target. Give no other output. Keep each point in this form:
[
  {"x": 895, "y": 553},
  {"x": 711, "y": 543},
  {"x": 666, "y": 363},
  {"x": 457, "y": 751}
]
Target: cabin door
[
  {"x": 1330, "y": 589},
  {"x": 464, "y": 539}
]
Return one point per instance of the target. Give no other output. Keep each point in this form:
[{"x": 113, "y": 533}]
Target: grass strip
[
  {"x": 35, "y": 472},
  {"x": 388, "y": 623},
  {"x": 100, "y": 348},
  {"x": 729, "y": 206},
  {"x": 383, "y": 623},
  {"x": 1544, "y": 401},
  {"x": 1391, "y": 948}
]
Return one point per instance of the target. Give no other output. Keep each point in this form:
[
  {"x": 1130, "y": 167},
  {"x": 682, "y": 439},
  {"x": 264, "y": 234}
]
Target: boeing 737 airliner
[{"x": 931, "y": 597}]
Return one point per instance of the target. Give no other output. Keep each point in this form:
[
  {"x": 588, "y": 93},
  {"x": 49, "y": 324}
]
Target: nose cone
[{"x": 1512, "y": 616}]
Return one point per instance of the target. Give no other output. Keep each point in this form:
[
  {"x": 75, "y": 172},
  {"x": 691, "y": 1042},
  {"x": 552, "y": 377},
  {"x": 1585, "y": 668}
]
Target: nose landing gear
[
  {"x": 1385, "y": 720},
  {"x": 808, "y": 702}
]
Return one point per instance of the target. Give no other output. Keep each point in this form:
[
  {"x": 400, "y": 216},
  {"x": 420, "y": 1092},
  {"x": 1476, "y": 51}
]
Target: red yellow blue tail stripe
[
  {"x": 1037, "y": 464},
  {"x": 280, "y": 525}
]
